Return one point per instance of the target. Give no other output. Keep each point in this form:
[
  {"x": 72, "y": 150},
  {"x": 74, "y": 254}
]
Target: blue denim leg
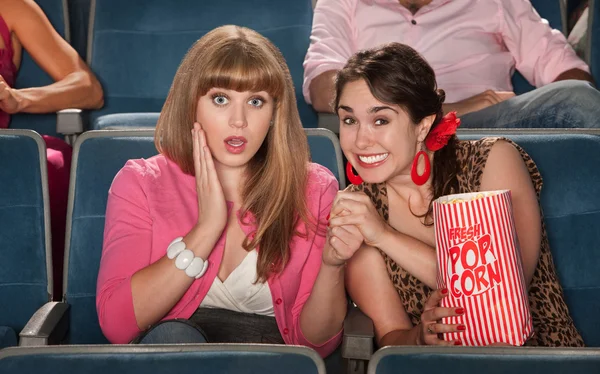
[
  {"x": 564, "y": 104},
  {"x": 173, "y": 332}
]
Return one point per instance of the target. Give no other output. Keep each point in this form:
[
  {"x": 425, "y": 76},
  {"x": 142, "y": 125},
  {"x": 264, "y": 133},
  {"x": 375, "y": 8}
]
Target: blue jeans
[
  {"x": 172, "y": 332},
  {"x": 563, "y": 104}
]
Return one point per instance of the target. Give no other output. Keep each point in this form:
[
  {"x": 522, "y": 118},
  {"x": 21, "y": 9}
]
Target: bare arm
[
  {"x": 505, "y": 170},
  {"x": 322, "y": 91},
  {"x": 357, "y": 209},
  {"x": 75, "y": 85},
  {"x": 369, "y": 284},
  {"x": 323, "y": 314},
  {"x": 411, "y": 254},
  {"x": 158, "y": 287},
  {"x": 477, "y": 102}
]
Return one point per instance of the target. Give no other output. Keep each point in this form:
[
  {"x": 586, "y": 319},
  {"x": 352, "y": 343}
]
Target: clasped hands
[{"x": 353, "y": 220}]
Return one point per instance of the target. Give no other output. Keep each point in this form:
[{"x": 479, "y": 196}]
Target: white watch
[{"x": 194, "y": 267}]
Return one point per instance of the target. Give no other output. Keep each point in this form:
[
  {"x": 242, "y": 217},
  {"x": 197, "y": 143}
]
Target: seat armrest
[
  {"x": 358, "y": 335},
  {"x": 71, "y": 122},
  {"x": 48, "y": 326},
  {"x": 329, "y": 121}
]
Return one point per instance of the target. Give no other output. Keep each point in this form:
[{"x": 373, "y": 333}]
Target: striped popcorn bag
[{"x": 479, "y": 262}]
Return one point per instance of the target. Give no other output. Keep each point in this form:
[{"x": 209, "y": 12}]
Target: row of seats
[
  {"x": 571, "y": 209},
  {"x": 268, "y": 359},
  {"x": 162, "y": 359},
  {"x": 98, "y": 156},
  {"x": 135, "y": 47}
]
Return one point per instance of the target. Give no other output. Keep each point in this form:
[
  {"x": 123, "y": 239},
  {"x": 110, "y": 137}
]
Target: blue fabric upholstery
[
  {"x": 594, "y": 39},
  {"x": 23, "y": 276},
  {"x": 324, "y": 144},
  {"x": 126, "y": 120},
  {"x": 483, "y": 360},
  {"x": 325, "y": 150},
  {"x": 8, "y": 337},
  {"x": 97, "y": 158},
  {"x": 97, "y": 161},
  {"x": 137, "y": 45},
  {"x": 31, "y": 75},
  {"x": 161, "y": 359},
  {"x": 571, "y": 208},
  {"x": 551, "y": 11},
  {"x": 79, "y": 17}
]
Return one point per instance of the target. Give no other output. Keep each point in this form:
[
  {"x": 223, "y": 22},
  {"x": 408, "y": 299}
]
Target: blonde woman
[{"x": 225, "y": 230}]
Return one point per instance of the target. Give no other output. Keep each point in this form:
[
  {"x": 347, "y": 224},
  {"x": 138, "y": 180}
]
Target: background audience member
[
  {"x": 473, "y": 46},
  {"x": 23, "y": 25}
]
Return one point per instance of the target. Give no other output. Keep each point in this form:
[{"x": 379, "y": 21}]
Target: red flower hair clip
[{"x": 441, "y": 134}]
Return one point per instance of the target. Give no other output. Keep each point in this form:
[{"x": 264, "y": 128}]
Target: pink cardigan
[{"x": 150, "y": 203}]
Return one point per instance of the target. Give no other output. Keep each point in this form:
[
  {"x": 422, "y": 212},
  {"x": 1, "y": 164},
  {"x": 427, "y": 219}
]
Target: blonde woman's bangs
[{"x": 242, "y": 68}]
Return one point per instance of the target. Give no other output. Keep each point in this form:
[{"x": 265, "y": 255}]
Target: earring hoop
[
  {"x": 417, "y": 179},
  {"x": 355, "y": 179}
]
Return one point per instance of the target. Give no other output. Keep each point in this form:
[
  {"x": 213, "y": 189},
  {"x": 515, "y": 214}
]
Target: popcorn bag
[{"x": 479, "y": 262}]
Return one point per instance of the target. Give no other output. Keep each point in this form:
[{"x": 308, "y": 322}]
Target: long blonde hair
[{"x": 240, "y": 59}]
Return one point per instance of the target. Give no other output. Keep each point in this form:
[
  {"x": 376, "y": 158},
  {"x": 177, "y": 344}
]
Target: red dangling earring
[
  {"x": 353, "y": 178},
  {"x": 420, "y": 180}
]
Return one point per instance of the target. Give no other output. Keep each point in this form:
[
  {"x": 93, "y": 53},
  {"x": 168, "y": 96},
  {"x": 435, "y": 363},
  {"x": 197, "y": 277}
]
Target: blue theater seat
[
  {"x": 324, "y": 144},
  {"x": 136, "y": 46},
  {"x": 325, "y": 150},
  {"x": 31, "y": 75},
  {"x": 25, "y": 253},
  {"x": 126, "y": 121},
  {"x": 425, "y": 360},
  {"x": 163, "y": 359},
  {"x": 571, "y": 208},
  {"x": 79, "y": 17},
  {"x": 97, "y": 157}
]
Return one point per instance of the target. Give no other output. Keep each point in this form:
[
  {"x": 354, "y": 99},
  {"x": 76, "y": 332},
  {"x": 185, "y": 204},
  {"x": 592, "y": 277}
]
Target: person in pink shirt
[
  {"x": 225, "y": 229},
  {"x": 474, "y": 48}
]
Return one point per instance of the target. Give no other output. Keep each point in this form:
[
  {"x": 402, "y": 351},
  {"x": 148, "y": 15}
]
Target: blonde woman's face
[{"x": 235, "y": 123}]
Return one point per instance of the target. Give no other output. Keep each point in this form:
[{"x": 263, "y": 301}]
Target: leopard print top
[{"x": 552, "y": 323}]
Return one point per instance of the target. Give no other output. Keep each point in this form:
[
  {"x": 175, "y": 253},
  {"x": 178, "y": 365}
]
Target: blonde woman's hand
[
  {"x": 356, "y": 208},
  {"x": 212, "y": 208},
  {"x": 431, "y": 325}
]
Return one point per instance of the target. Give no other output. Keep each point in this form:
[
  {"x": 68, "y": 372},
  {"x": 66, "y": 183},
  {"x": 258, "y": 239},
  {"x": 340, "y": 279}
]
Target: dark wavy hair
[{"x": 398, "y": 75}]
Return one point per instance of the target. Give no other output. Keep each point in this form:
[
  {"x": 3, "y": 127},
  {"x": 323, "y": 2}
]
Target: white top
[{"x": 239, "y": 292}]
